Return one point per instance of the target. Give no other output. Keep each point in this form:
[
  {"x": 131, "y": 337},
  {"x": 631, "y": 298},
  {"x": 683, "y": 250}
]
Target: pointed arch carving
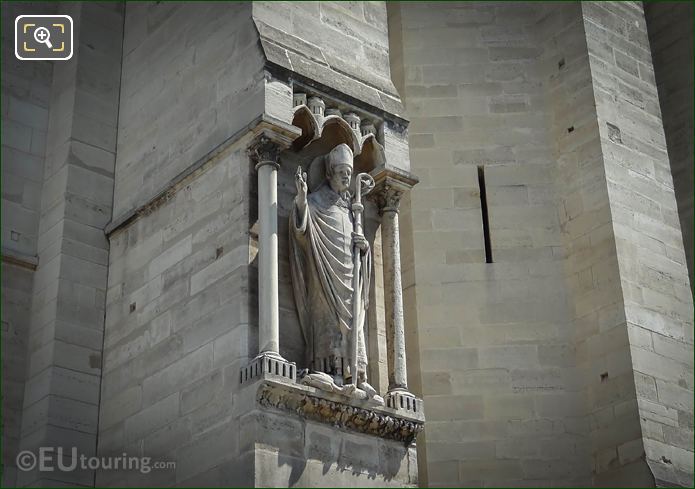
[
  {"x": 371, "y": 155},
  {"x": 305, "y": 120}
]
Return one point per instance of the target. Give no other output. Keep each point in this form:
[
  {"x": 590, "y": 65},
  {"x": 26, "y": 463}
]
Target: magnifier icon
[{"x": 43, "y": 36}]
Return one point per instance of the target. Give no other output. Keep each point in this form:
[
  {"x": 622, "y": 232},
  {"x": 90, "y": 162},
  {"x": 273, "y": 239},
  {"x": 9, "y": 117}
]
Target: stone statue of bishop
[{"x": 321, "y": 254}]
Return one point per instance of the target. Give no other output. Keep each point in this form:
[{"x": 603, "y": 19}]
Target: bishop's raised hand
[{"x": 300, "y": 182}]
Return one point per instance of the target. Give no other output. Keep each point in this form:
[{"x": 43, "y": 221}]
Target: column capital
[
  {"x": 387, "y": 198},
  {"x": 264, "y": 151},
  {"x": 269, "y": 138},
  {"x": 390, "y": 185}
]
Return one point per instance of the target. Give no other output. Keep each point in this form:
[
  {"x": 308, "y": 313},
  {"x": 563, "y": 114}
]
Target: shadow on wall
[{"x": 352, "y": 456}]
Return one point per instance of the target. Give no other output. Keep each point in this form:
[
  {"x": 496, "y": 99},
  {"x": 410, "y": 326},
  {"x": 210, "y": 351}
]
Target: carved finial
[
  {"x": 354, "y": 121},
  {"x": 298, "y": 99},
  {"x": 317, "y": 106},
  {"x": 368, "y": 128}
]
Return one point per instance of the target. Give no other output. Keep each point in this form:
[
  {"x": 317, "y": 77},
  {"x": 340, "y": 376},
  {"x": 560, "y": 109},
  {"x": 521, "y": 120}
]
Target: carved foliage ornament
[
  {"x": 388, "y": 198},
  {"x": 265, "y": 151},
  {"x": 340, "y": 415}
]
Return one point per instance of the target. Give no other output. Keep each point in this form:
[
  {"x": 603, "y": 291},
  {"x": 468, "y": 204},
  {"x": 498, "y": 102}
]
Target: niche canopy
[{"x": 325, "y": 128}]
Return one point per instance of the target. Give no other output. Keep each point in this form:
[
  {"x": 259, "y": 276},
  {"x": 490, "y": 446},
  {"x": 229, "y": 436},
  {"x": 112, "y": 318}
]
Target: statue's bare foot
[
  {"x": 371, "y": 392},
  {"x": 322, "y": 381}
]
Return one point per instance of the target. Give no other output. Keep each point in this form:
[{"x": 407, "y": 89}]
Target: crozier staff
[{"x": 321, "y": 244}]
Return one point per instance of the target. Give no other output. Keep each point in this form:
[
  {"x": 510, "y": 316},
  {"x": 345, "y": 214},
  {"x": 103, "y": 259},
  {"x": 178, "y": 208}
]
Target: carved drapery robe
[{"x": 322, "y": 270}]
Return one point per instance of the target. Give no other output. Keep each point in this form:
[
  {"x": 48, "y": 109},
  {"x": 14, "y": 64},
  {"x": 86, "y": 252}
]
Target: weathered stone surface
[
  {"x": 574, "y": 344},
  {"x": 565, "y": 127},
  {"x": 215, "y": 111},
  {"x": 171, "y": 345},
  {"x": 672, "y": 52},
  {"x": 290, "y": 447},
  {"x": 70, "y": 281},
  {"x": 359, "y": 416},
  {"x": 25, "y": 105},
  {"x": 313, "y": 43},
  {"x": 660, "y": 274}
]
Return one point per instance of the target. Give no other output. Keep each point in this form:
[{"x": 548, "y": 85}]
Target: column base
[
  {"x": 402, "y": 400},
  {"x": 268, "y": 364}
]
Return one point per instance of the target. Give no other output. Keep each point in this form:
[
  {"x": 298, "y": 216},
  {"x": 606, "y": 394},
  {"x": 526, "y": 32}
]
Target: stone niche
[
  {"x": 324, "y": 126},
  {"x": 292, "y": 433}
]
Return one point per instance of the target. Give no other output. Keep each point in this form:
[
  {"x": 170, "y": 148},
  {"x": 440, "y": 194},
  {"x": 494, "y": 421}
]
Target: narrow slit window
[{"x": 486, "y": 219}]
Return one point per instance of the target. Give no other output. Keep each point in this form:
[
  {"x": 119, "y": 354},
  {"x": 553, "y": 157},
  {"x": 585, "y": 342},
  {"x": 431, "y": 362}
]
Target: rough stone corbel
[{"x": 309, "y": 403}]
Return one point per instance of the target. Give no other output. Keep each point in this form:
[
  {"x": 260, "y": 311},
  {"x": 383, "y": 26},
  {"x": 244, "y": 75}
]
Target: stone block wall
[
  {"x": 26, "y": 95},
  {"x": 178, "y": 304},
  {"x": 580, "y": 328},
  {"x": 184, "y": 94},
  {"x": 567, "y": 360},
  {"x": 496, "y": 353},
  {"x": 653, "y": 271},
  {"x": 177, "y": 327},
  {"x": 670, "y": 26},
  {"x": 604, "y": 368},
  {"x": 25, "y": 105},
  {"x": 292, "y": 452},
  {"x": 60, "y": 406},
  {"x": 351, "y": 38},
  {"x": 16, "y": 303}
]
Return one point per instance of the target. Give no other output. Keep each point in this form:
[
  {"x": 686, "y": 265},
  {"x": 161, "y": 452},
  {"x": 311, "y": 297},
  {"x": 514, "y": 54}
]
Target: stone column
[
  {"x": 265, "y": 151},
  {"x": 393, "y": 290},
  {"x": 388, "y": 194}
]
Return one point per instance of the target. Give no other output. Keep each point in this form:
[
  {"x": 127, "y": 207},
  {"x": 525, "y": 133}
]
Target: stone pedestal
[
  {"x": 268, "y": 363},
  {"x": 403, "y": 400},
  {"x": 295, "y": 435}
]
